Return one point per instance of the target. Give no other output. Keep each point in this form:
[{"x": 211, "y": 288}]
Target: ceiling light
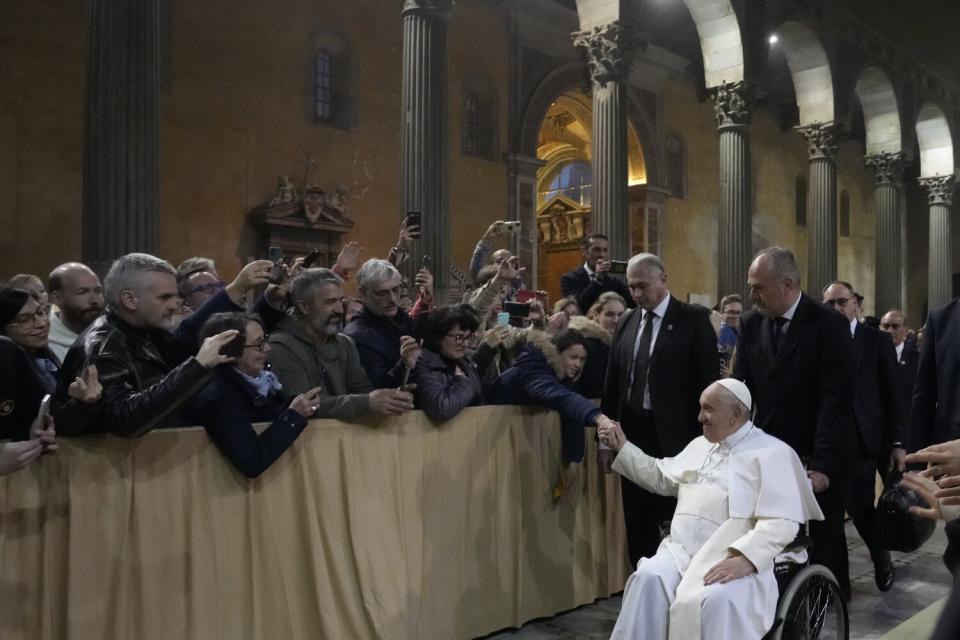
[{"x": 773, "y": 39}]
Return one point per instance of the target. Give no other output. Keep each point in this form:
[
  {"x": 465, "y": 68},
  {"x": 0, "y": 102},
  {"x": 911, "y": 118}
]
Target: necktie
[
  {"x": 778, "y": 332},
  {"x": 641, "y": 361}
]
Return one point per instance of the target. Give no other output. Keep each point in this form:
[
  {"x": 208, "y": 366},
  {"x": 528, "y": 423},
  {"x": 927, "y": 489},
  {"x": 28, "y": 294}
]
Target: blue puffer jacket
[{"x": 535, "y": 378}]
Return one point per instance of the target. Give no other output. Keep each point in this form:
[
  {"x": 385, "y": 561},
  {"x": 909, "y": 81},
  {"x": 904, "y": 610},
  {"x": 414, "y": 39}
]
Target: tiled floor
[{"x": 921, "y": 580}]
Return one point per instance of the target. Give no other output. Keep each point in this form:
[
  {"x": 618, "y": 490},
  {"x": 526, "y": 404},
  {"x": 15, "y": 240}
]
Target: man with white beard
[{"x": 742, "y": 496}]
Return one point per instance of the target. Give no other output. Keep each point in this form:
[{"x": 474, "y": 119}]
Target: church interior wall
[{"x": 42, "y": 70}]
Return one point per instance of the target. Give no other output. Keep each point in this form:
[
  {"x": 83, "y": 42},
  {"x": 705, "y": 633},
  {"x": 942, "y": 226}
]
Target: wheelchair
[{"x": 811, "y": 606}]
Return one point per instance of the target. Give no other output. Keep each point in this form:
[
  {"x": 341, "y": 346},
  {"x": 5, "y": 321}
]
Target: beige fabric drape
[{"x": 391, "y": 529}]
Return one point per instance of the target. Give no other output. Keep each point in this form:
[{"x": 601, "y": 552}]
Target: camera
[
  {"x": 511, "y": 226},
  {"x": 618, "y": 266}
]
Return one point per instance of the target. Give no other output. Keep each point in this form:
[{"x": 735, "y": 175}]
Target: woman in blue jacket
[
  {"x": 245, "y": 392},
  {"x": 544, "y": 374}
]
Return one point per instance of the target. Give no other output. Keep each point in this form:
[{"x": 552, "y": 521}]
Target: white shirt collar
[
  {"x": 661, "y": 309},
  {"x": 899, "y": 349},
  {"x": 792, "y": 310},
  {"x": 853, "y": 327},
  {"x": 587, "y": 268}
]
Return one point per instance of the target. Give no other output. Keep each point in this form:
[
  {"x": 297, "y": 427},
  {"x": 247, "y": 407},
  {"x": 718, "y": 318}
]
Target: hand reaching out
[
  {"x": 86, "y": 387},
  {"x": 349, "y": 258}
]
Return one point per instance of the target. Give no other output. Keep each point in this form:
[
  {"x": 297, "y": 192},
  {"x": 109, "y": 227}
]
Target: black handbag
[{"x": 901, "y": 530}]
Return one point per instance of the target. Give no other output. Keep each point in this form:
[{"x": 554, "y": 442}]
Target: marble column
[
  {"x": 733, "y": 108},
  {"x": 889, "y": 256},
  {"x": 609, "y": 48},
  {"x": 423, "y": 134},
  {"x": 121, "y": 136},
  {"x": 940, "y": 261},
  {"x": 822, "y": 140}
]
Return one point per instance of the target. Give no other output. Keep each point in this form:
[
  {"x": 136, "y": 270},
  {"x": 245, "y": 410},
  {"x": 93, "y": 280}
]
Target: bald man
[
  {"x": 75, "y": 290},
  {"x": 742, "y": 496},
  {"x": 895, "y": 324}
]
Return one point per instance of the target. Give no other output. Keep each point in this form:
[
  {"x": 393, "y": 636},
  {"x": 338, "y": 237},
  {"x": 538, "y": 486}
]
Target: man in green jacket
[{"x": 308, "y": 351}]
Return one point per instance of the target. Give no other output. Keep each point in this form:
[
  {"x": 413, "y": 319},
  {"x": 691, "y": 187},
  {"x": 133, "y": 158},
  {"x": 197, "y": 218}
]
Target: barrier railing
[{"x": 391, "y": 529}]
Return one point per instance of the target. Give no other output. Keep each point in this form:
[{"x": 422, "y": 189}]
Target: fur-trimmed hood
[
  {"x": 541, "y": 342},
  {"x": 590, "y": 329}
]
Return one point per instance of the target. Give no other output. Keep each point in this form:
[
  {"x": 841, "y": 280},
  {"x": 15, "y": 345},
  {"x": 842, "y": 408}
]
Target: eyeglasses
[
  {"x": 31, "y": 319},
  {"x": 837, "y": 302},
  {"x": 260, "y": 345},
  {"x": 893, "y": 326},
  {"x": 212, "y": 286},
  {"x": 462, "y": 338}
]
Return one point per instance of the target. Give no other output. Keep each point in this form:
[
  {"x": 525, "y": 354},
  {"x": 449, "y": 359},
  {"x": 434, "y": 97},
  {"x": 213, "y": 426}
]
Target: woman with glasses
[
  {"x": 446, "y": 377},
  {"x": 244, "y": 392},
  {"x": 29, "y": 368}
]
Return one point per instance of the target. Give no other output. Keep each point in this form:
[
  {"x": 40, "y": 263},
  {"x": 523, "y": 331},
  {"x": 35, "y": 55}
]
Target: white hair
[
  {"x": 647, "y": 260},
  {"x": 783, "y": 264},
  {"x": 126, "y": 274},
  {"x": 376, "y": 271}
]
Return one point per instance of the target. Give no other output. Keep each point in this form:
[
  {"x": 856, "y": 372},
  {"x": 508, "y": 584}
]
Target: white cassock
[{"x": 748, "y": 492}]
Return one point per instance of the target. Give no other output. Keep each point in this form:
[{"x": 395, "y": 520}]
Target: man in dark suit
[
  {"x": 662, "y": 356},
  {"x": 794, "y": 356},
  {"x": 879, "y": 417},
  {"x": 895, "y": 324},
  {"x": 587, "y": 282},
  {"x": 935, "y": 412}
]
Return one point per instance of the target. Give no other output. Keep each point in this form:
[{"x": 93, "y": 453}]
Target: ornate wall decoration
[
  {"x": 822, "y": 139},
  {"x": 888, "y": 166},
  {"x": 609, "y": 49},
  {"x": 733, "y": 104},
  {"x": 939, "y": 189}
]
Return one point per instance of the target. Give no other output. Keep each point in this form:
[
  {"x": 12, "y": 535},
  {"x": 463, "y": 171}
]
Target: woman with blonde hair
[{"x": 597, "y": 327}]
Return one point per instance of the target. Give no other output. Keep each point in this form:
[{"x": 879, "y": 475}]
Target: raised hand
[
  {"x": 409, "y": 351},
  {"x": 349, "y": 258},
  {"x": 509, "y": 270},
  {"x": 86, "y": 387},
  {"x": 306, "y": 403},
  {"x": 495, "y": 230},
  {"x": 424, "y": 280},
  {"x": 209, "y": 355}
]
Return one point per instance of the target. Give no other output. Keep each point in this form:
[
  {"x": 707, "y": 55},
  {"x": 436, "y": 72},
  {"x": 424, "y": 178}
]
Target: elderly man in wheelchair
[{"x": 742, "y": 496}]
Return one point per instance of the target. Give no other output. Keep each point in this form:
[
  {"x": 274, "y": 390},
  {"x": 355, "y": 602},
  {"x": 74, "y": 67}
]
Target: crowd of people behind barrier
[{"x": 157, "y": 346}]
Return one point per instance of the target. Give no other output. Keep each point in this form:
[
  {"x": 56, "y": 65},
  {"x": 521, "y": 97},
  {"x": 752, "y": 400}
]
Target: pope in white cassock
[{"x": 741, "y": 498}]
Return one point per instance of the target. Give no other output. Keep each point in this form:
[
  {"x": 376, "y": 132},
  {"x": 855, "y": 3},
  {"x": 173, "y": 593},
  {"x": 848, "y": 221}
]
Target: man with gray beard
[{"x": 308, "y": 351}]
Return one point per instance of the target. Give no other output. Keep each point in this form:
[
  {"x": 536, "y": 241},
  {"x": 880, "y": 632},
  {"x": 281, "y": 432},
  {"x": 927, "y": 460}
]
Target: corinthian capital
[
  {"x": 888, "y": 166},
  {"x": 609, "y": 50},
  {"x": 822, "y": 139},
  {"x": 732, "y": 104},
  {"x": 939, "y": 189},
  {"x": 438, "y": 8}
]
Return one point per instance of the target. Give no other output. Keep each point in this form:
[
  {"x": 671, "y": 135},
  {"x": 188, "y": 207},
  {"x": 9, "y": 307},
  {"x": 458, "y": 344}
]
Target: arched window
[
  {"x": 844, "y": 214},
  {"x": 676, "y": 164},
  {"x": 573, "y": 180},
  {"x": 800, "y": 199},
  {"x": 333, "y": 95},
  {"x": 479, "y": 117}
]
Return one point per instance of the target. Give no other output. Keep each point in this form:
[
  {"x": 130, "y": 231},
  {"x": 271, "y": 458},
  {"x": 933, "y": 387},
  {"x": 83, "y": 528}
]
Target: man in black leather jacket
[{"x": 147, "y": 368}]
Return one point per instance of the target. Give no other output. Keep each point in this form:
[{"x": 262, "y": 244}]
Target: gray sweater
[{"x": 334, "y": 366}]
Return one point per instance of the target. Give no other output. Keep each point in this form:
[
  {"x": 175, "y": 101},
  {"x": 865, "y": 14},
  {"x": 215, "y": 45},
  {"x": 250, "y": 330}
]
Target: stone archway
[
  {"x": 810, "y": 70},
  {"x": 881, "y": 112},
  {"x": 720, "y": 41}
]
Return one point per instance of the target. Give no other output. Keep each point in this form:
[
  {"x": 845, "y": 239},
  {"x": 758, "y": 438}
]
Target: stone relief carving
[
  {"x": 822, "y": 139},
  {"x": 733, "y": 104},
  {"x": 939, "y": 189},
  {"x": 888, "y": 166},
  {"x": 609, "y": 49},
  {"x": 316, "y": 205}
]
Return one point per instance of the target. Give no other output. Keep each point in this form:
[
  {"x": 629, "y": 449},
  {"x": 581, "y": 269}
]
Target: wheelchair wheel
[{"x": 812, "y": 608}]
